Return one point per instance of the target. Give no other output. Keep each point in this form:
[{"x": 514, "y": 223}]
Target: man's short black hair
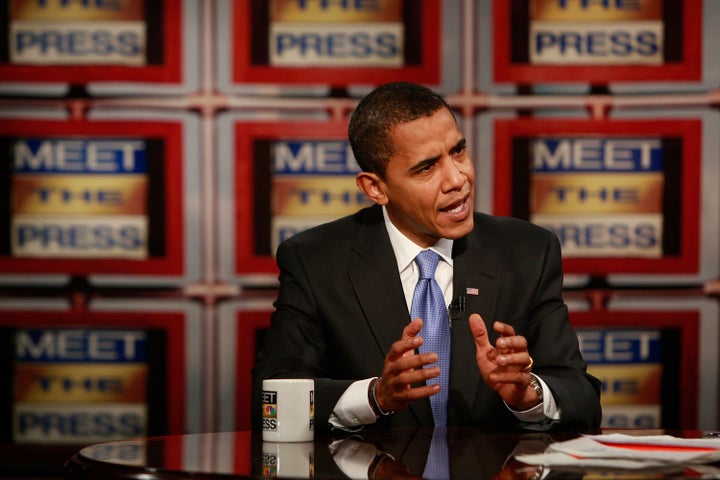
[{"x": 377, "y": 115}]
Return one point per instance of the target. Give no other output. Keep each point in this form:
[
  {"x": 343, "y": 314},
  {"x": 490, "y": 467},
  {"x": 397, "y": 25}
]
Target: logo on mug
[
  {"x": 269, "y": 410},
  {"x": 312, "y": 410},
  {"x": 269, "y": 465}
]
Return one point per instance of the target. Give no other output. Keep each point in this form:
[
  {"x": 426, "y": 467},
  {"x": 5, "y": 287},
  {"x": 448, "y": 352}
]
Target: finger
[
  {"x": 479, "y": 331},
  {"x": 410, "y": 362},
  {"x": 397, "y": 391},
  {"x": 509, "y": 376},
  {"x": 403, "y": 348},
  {"x": 504, "y": 329},
  {"x": 410, "y": 379},
  {"x": 407, "y": 378},
  {"x": 518, "y": 359},
  {"x": 409, "y": 341},
  {"x": 423, "y": 391},
  {"x": 403, "y": 397},
  {"x": 412, "y": 329},
  {"x": 516, "y": 343},
  {"x": 410, "y": 369},
  {"x": 411, "y": 334}
]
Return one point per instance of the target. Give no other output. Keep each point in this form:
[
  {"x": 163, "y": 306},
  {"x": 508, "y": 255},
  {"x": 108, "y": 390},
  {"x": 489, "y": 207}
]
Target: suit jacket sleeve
[
  {"x": 295, "y": 344},
  {"x": 554, "y": 346}
]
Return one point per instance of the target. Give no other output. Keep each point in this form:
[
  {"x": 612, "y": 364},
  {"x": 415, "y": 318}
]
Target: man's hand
[
  {"x": 403, "y": 368},
  {"x": 503, "y": 367}
]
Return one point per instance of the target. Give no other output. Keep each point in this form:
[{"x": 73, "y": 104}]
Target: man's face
[{"x": 429, "y": 182}]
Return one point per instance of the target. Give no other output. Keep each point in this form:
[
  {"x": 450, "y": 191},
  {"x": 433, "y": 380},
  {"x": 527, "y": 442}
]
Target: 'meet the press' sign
[
  {"x": 586, "y": 32},
  {"x": 79, "y": 198},
  {"x": 79, "y": 385},
  {"x": 323, "y": 34},
  {"x": 313, "y": 182},
  {"x": 601, "y": 196},
  {"x": 57, "y": 32}
]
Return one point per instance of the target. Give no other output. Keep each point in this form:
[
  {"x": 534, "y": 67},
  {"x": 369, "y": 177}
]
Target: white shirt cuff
[
  {"x": 353, "y": 409},
  {"x": 548, "y": 410}
]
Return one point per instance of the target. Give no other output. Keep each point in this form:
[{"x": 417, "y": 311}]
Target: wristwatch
[
  {"x": 373, "y": 401},
  {"x": 538, "y": 388}
]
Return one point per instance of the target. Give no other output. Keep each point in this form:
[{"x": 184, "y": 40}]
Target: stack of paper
[{"x": 627, "y": 452}]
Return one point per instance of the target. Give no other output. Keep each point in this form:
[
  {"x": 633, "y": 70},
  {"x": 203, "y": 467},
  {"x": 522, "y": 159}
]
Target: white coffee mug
[
  {"x": 288, "y": 410},
  {"x": 288, "y": 460}
]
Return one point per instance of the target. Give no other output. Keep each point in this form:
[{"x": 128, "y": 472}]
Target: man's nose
[{"x": 453, "y": 174}]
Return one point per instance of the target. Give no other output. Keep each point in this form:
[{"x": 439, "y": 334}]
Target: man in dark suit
[{"x": 343, "y": 311}]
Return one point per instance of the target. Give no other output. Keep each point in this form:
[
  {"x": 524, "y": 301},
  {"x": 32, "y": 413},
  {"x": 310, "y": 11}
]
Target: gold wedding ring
[{"x": 528, "y": 367}]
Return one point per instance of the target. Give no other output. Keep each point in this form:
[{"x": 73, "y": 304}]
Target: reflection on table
[{"x": 381, "y": 453}]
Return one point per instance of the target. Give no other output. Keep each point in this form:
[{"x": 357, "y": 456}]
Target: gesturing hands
[{"x": 504, "y": 367}]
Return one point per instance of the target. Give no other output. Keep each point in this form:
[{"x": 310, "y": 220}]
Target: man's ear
[{"x": 372, "y": 186}]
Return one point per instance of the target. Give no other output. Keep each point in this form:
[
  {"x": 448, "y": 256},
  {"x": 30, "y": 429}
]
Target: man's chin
[{"x": 459, "y": 230}]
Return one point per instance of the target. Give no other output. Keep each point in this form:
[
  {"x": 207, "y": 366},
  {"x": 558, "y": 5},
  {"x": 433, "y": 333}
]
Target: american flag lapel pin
[{"x": 472, "y": 291}]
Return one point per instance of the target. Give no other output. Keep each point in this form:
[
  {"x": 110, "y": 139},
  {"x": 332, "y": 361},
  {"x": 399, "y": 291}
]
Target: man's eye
[
  {"x": 425, "y": 167},
  {"x": 460, "y": 150}
]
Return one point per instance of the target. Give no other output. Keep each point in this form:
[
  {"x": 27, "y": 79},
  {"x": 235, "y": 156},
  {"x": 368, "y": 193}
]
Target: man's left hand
[{"x": 504, "y": 366}]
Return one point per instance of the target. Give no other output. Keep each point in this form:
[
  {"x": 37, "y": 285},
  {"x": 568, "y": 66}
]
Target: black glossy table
[{"x": 396, "y": 453}]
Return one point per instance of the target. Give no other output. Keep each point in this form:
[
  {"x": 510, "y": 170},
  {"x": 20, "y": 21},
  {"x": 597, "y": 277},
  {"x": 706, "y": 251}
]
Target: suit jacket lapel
[
  {"x": 475, "y": 276},
  {"x": 375, "y": 279}
]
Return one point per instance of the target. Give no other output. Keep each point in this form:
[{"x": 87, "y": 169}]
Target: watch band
[
  {"x": 538, "y": 388},
  {"x": 373, "y": 401}
]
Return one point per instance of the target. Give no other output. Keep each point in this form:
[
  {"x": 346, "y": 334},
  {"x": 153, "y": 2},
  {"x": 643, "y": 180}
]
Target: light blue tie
[
  {"x": 437, "y": 465},
  {"x": 428, "y": 303}
]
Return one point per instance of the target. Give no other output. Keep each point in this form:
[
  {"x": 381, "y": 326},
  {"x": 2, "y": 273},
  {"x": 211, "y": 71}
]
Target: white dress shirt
[{"x": 353, "y": 410}]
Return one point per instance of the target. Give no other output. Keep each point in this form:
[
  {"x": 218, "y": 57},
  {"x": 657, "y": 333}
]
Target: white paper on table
[{"x": 627, "y": 451}]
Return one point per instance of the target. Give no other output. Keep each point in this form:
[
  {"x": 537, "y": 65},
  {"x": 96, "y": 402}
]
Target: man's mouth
[{"x": 456, "y": 208}]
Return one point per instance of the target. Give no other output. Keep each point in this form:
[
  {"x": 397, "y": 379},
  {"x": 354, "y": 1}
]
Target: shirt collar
[{"x": 406, "y": 250}]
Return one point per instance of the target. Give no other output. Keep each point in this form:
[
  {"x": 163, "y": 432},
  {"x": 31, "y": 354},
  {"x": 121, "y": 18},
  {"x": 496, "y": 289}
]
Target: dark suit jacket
[{"x": 341, "y": 306}]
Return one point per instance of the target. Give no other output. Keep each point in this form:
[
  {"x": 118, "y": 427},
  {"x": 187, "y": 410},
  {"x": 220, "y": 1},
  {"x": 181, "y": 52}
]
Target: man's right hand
[{"x": 404, "y": 367}]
